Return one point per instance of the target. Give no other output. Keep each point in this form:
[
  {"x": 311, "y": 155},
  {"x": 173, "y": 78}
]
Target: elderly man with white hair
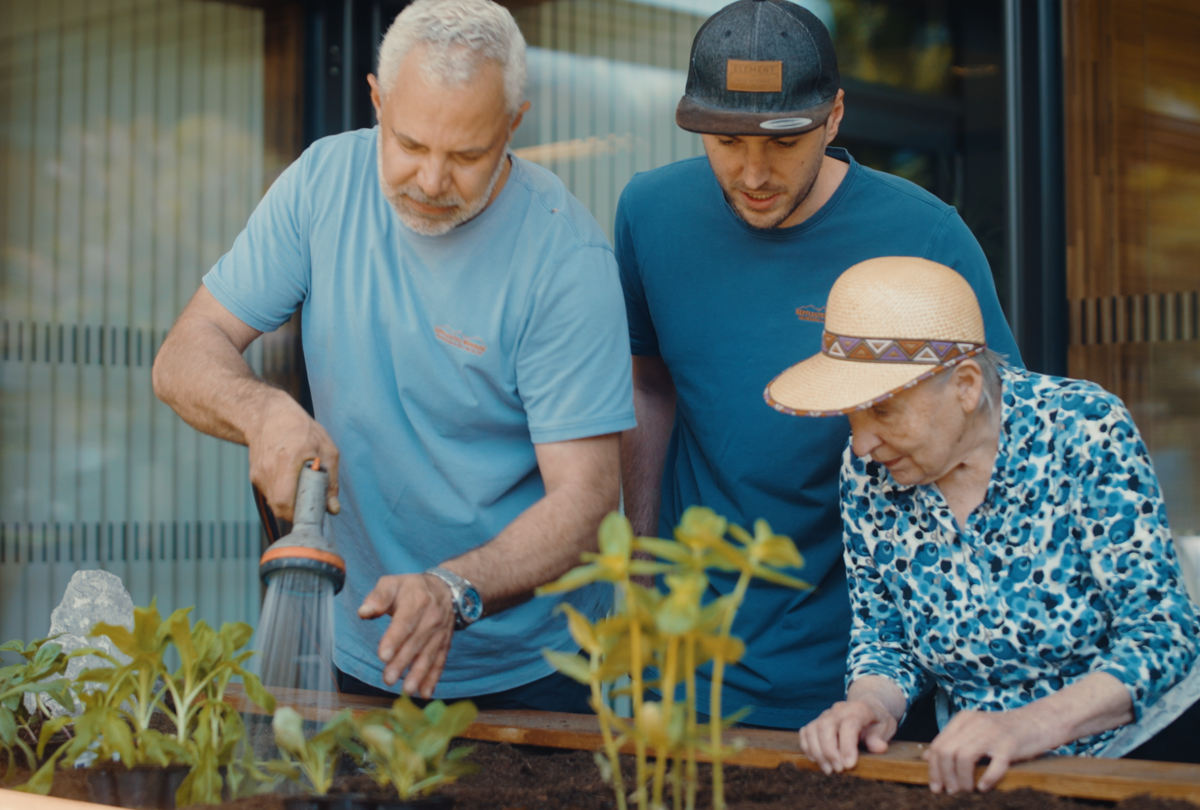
[{"x": 463, "y": 331}]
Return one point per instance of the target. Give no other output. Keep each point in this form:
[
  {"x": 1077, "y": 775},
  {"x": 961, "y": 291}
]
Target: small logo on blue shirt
[
  {"x": 808, "y": 312},
  {"x": 456, "y": 338}
]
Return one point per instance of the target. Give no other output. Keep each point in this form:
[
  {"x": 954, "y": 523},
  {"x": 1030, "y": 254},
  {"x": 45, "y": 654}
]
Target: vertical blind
[
  {"x": 604, "y": 79},
  {"x": 130, "y": 157}
]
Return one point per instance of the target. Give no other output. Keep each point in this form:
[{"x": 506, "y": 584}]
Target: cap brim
[
  {"x": 711, "y": 121},
  {"x": 825, "y": 386}
]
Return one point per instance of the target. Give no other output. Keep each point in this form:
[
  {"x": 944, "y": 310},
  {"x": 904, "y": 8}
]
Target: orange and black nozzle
[{"x": 306, "y": 548}]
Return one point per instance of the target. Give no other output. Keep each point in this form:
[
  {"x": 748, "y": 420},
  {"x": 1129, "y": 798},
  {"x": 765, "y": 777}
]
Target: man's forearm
[
  {"x": 545, "y": 540},
  {"x": 201, "y": 374},
  {"x": 644, "y": 448}
]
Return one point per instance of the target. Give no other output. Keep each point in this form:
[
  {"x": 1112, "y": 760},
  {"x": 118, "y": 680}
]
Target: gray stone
[{"x": 91, "y": 597}]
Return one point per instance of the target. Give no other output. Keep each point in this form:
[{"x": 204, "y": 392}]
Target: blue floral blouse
[{"x": 1066, "y": 568}]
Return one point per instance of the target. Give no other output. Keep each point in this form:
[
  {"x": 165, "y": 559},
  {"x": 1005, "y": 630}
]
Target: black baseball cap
[{"x": 759, "y": 67}]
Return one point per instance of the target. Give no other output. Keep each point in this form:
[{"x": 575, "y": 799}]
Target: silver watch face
[{"x": 470, "y": 605}]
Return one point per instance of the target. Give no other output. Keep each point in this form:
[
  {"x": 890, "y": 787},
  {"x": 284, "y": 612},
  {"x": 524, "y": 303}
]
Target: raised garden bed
[{"x": 544, "y": 760}]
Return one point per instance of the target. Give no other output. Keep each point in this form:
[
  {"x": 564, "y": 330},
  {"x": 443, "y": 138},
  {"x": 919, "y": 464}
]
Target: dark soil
[{"x": 529, "y": 778}]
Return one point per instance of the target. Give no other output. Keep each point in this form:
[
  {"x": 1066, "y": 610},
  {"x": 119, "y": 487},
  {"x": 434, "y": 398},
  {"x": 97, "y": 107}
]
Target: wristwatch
[{"x": 468, "y": 606}]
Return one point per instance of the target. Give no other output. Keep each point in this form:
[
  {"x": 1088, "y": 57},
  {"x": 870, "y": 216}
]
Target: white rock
[{"x": 91, "y": 597}]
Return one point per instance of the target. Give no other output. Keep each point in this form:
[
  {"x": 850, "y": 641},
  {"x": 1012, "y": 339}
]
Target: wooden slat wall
[{"x": 1132, "y": 76}]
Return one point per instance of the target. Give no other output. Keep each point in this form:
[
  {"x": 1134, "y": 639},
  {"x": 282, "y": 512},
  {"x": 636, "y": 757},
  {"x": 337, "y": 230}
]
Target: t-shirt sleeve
[
  {"x": 643, "y": 339},
  {"x": 1123, "y": 527},
  {"x": 878, "y": 641},
  {"x": 574, "y": 372},
  {"x": 955, "y": 246},
  {"x": 265, "y": 275}
]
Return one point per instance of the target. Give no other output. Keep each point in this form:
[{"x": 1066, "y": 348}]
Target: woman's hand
[
  {"x": 871, "y": 713},
  {"x": 1093, "y": 704},
  {"x": 1005, "y": 737}
]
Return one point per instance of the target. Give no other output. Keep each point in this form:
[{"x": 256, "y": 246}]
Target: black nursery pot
[
  {"x": 146, "y": 787},
  {"x": 354, "y": 801},
  {"x": 341, "y": 801},
  {"x": 424, "y": 803}
]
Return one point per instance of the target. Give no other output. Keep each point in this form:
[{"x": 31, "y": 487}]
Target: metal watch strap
[{"x": 458, "y": 587}]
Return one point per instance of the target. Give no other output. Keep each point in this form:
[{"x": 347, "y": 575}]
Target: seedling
[
  {"x": 406, "y": 747},
  {"x": 209, "y": 728},
  {"x": 43, "y": 659},
  {"x": 677, "y": 633},
  {"x": 115, "y": 723},
  {"x": 315, "y": 757}
]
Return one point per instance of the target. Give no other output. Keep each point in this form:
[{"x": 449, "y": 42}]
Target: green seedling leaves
[
  {"x": 610, "y": 565},
  {"x": 316, "y": 757},
  {"x": 8, "y": 726},
  {"x": 406, "y": 746},
  {"x": 118, "y": 701},
  {"x": 700, "y": 528},
  {"x": 675, "y": 632},
  {"x": 569, "y": 664},
  {"x": 289, "y": 730}
]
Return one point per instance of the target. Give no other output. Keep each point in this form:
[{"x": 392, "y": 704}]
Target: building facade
[{"x": 137, "y": 135}]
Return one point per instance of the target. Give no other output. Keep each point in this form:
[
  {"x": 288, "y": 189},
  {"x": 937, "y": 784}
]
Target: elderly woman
[{"x": 1006, "y": 541}]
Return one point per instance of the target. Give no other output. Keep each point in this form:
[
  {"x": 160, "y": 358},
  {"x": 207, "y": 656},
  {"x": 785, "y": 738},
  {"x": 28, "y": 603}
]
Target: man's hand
[
  {"x": 285, "y": 438},
  {"x": 418, "y": 638},
  {"x": 832, "y": 739}
]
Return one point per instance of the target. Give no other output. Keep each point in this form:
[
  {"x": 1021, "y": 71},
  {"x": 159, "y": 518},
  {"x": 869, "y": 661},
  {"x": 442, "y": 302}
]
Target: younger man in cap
[{"x": 727, "y": 263}]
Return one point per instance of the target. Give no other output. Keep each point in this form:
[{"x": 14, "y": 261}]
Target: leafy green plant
[
  {"x": 676, "y": 633},
  {"x": 115, "y": 722},
  {"x": 42, "y": 659},
  {"x": 406, "y": 747},
  {"x": 209, "y": 728},
  {"x": 316, "y": 756}
]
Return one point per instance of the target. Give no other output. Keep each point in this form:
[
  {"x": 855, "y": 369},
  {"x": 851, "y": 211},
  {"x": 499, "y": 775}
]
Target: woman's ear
[{"x": 968, "y": 383}]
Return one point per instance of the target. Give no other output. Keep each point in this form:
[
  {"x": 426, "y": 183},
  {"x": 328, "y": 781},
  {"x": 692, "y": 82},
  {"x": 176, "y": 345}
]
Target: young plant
[
  {"x": 406, "y": 747},
  {"x": 315, "y": 757},
  {"x": 115, "y": 722},
  {"x": 43, "y": 659},
  {"x": 615, "y": 565},
  {"x": 676, "y": 632},
  {"x": 206, "y": 726}
]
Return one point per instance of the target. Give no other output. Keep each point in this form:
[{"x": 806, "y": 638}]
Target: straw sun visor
[{"x": 890, "y": 323}]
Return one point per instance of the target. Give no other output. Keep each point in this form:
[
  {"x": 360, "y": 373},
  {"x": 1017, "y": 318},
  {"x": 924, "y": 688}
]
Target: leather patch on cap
[{"x": 753, "y": 77}]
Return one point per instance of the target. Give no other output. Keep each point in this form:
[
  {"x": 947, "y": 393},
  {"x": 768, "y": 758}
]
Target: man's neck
[{"x": 829, "y": 177}]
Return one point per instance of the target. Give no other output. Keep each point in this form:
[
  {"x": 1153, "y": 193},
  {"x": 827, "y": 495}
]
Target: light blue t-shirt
[{"x": 436, "y": 364}]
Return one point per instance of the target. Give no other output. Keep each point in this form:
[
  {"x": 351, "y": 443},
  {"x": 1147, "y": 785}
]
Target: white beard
[{"x": 426, "y": 224}]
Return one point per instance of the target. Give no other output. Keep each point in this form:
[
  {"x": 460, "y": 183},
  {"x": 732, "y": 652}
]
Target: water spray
[{"x": 302, "y": 573}]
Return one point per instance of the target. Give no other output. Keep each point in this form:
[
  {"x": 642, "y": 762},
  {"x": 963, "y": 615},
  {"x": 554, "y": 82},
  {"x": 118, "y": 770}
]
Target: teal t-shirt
[
  {"x": 436, "y": 364},
  {"x": 728, "y": 307}
]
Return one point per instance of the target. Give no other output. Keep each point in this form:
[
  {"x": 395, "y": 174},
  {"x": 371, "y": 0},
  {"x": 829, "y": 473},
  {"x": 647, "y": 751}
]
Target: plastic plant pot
[
  {"x": 143, "y": 788},
  {"x": 172, "y": 779},
  {"x": 423, "y": 803},
  {"x": 342, "y": 801}
]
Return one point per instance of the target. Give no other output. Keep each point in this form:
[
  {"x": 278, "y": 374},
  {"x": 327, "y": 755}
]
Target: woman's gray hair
[
  {"x": 460, "y": 34},
  {"x": 989, "y": 365}
]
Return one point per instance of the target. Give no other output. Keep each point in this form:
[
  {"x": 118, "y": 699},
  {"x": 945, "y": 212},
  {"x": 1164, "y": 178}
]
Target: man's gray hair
[{"x": 460, "y": 34}]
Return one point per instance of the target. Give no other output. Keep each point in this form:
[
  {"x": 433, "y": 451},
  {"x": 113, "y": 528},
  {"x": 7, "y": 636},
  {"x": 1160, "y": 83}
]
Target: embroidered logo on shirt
[
  {"x": 456, "y": 338},
  {"x": 810, "y": 313}
]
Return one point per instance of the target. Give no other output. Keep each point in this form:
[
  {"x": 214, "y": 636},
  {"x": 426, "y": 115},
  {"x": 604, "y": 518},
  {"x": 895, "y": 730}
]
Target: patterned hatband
[{"x": 895, "y": 350}]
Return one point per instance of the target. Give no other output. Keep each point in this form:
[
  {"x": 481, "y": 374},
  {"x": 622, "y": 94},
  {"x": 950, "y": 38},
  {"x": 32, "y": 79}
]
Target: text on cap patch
[{"x": 753, "y": 77}]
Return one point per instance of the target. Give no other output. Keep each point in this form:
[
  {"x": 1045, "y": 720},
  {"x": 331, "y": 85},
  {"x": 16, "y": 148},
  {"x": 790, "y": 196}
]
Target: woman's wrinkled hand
[
  {"x": 832, "y": 739},
  {"x": 1004, "y": 737}
]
